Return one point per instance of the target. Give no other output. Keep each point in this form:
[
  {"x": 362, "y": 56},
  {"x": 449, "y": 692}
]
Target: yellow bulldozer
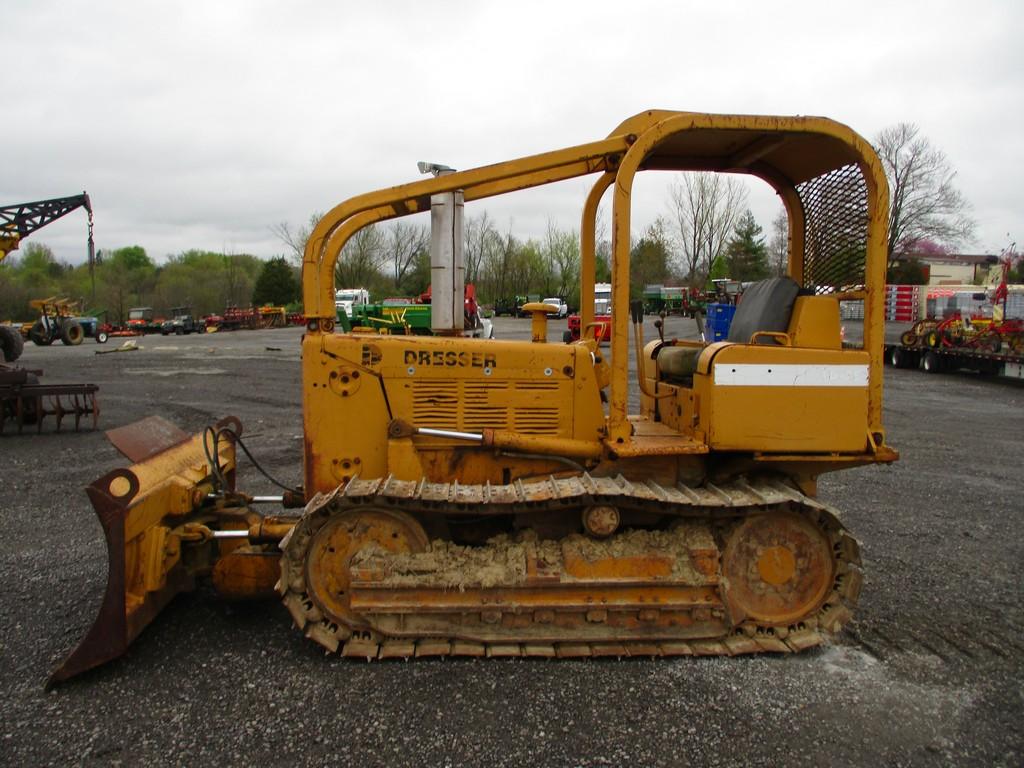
[{"x": 497, "y": 498}]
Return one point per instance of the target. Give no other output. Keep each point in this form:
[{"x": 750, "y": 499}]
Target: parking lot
[{"x": 930, "y": 672}]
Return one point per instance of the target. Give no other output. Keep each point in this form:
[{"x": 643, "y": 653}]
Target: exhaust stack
[{"x": 447, "y": 264}]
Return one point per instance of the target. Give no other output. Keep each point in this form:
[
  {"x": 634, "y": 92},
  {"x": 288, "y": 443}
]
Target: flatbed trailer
[
  {"x": 393, "y": 317},
  {"x": 944, "y": 359},
  {"x": 673, "y": 299}
]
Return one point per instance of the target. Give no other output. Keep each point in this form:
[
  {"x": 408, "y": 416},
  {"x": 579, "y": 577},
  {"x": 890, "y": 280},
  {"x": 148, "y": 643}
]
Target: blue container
[{"x": 719, "y": 319}]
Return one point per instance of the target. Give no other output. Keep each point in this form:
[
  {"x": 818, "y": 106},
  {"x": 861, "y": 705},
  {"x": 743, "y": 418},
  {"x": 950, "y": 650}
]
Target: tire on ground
[
  {"x": 931, "y": 362},
  {"x": 71, "y": 333},
  {"x": 39, "y": 336},
  {"x": 11, "y": 343}
]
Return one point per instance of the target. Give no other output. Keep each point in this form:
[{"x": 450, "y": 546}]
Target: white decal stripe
[{"x": 751, "y": 375}]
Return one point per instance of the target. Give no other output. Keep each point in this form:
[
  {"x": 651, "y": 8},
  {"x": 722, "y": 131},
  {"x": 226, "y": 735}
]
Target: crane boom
[{"x": 22, "y": 219}]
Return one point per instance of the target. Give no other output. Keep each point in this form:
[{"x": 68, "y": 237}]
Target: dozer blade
[
  {"x": 143, "y": 511},
  {"x": 145, "y": 438}
]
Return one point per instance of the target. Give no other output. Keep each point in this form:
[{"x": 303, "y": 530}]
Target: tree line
[
  {"x": 393, "y": 259},
  {"x": 128, "y": 277}
]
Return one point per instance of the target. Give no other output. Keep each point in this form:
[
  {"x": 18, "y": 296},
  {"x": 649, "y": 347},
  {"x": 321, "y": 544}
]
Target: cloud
[{"x": 201, "y": 125}]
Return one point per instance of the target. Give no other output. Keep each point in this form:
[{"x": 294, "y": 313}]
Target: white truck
[
  {"x": 562, "y": 309},
  {"x": 346, "y": 298}
]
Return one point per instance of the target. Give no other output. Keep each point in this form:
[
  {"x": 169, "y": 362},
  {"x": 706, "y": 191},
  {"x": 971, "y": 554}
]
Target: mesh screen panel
[{"x": 836, "y": 215}]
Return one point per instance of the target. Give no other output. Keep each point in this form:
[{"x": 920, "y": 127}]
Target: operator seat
[{"x": 767, "y": 305}]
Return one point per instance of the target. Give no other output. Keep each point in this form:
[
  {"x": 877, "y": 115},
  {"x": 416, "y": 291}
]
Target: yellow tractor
[
  {"x": 58, "y": 319},
  {"x": 497, "y": 498}
]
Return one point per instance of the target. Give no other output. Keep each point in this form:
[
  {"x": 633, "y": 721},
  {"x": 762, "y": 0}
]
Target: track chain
[{"x": 721, "y": 503}]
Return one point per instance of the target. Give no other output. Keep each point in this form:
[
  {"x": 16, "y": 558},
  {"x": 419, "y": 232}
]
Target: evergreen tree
[
  {"x": 907, "y": 272},
  {"x": 649, "y": 259},
  {"x": 746, "y": 254},
  {"x": 276, "y": 284}
]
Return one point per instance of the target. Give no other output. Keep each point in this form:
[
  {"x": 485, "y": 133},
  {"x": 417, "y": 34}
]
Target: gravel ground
[{"x": 929, "y": 672}]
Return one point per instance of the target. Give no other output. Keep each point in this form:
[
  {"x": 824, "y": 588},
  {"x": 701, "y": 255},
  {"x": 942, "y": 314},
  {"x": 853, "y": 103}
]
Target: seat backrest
[{"x": 764, "y": 306}]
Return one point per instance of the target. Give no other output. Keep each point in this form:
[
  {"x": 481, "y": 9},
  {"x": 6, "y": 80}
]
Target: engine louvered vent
[
  {"x": 436, "y": 404},
  {"x": 484, "y": 406},
  {"x": 472, "y": 406},
  {"x": 542, "y": 417}
]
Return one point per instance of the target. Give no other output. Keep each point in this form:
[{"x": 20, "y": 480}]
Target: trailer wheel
[
  {"x": 101, "y": 337},
  {"x": 931, "y": 362},
  {"x": 897, "y": 357},
  {"x": 71, "y": 333}
]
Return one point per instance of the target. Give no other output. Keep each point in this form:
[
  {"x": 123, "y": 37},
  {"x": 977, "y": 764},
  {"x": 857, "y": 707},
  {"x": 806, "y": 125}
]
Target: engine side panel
[{"x": 355, "y": 385}]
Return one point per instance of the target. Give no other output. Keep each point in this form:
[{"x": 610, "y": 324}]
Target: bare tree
[
  {"x": 649, "y": 257},
  {"x": 497, "y": 271},
  {"x": 526, "y": 269},
  {"x": 923, "y": 203},
  {"x": 405, "y": 242},
  {"x": 778, "y": 246},
  {"x": 481, "y": 242},
  {"x": 705, "y": 208},
  {"x": 361, "y": 258},
  {"x": 561, "y": 250},
  {"x": 602, "y": 247},
  {"x": 296, "y": 239},
  {"x": 232, "y": 281}
]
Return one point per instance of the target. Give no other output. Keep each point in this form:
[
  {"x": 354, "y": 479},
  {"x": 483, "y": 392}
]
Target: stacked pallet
[{"x": 903, "y": 303}]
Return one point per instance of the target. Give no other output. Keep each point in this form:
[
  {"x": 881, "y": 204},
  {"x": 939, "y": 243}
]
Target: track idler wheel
[
  {"x": 777, "y": 569},
  {"x": 316, "y": 562}
]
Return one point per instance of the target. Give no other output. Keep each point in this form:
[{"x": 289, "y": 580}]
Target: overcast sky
[{"x": 201, "y": 124}]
